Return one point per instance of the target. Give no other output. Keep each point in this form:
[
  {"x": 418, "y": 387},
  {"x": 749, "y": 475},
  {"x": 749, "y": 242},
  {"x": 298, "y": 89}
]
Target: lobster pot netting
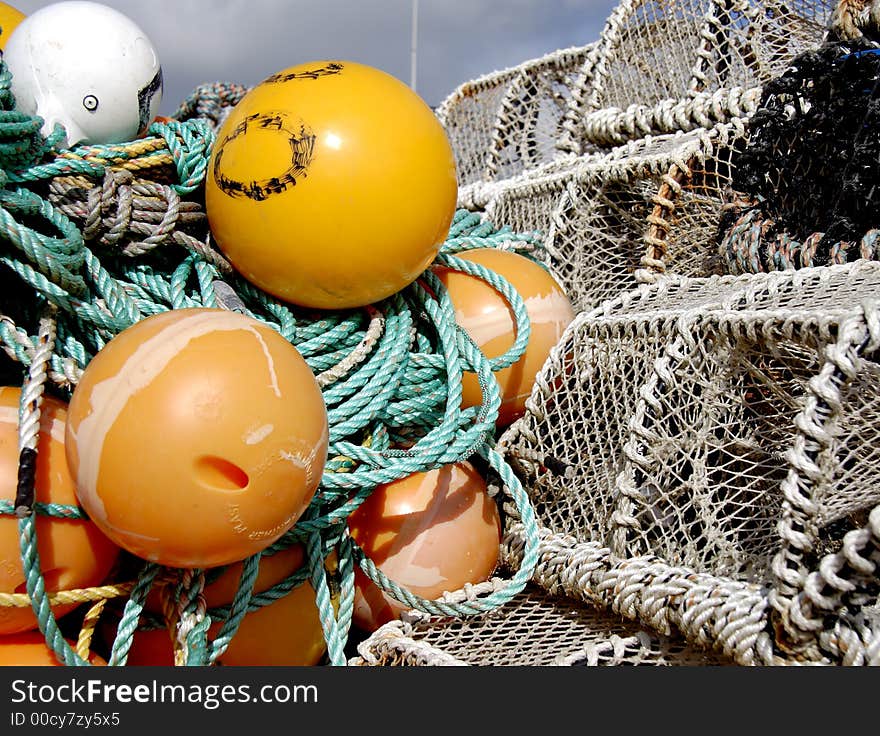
[
  {"x": 701, "y": 455},
  {"x": 512, "y": 120},
  {"x": 688, "y": 399},
  {"x": 619, "y": 153},
  {"x": 738, "y": 444},
  {"x": 805, "y": 187},
  {"x": 658, "y": 445},
  {"x": 598, "y": 214},
  {"x": 535, "y": 629}
]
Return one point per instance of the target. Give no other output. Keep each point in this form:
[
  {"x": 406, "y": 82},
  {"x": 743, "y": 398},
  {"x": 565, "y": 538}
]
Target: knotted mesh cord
[
  {"x": 733, "y": 499},
  {"x": 620, "y": 152},
  {"x": 804, "y": 186},
  {"x": 660, "y": 432},
  {"x": 118, "y": 234}
]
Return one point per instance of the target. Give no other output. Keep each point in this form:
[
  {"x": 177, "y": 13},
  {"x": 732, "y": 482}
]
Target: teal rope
[
  {"x": 752, "y": 245},
  {"x": 21, "y": 143},
  {"x": 511, "y": 296},
  {"x": 197, "y": 651},
  {"x": 243, "y": 594},
  {"x": 134, "y": 606},
  {"x": 190, "y": 146},
  {"x": 345, "y": 564},
  {"x": 58, "y": 258},
  {"x": 36, "y": 590},
  {"x": 55, "y": 510},
  {"x": 406, "y": 388},
  {"x": 323, "y": 599}
]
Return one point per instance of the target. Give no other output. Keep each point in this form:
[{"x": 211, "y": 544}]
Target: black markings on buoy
[
  {"x": 145, "y": 97},
  {"x": 302, "y": 148},
  {"x": 324, "y": 71}
]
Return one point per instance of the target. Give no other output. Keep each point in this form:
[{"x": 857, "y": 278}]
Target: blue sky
[{"x": 245, "y": 41}]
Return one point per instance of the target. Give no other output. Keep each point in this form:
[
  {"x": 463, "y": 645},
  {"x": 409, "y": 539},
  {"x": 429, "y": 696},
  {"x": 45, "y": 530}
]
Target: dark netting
[{"x": 810, "y": 167}]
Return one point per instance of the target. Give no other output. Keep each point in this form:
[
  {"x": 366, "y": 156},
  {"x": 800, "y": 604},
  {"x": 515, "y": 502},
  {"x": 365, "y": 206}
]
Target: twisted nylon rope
[
  {"x": 751, "y": 245},
  {"x": 29, "y": 421},
  {"x": 390, "y": 374}
]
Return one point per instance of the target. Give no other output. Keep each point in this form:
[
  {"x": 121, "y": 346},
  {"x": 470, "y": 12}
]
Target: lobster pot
[
  {"x": 515, "y": 119},
  {"x": 619, "y": 152},
  {"x": 805, "y": 189},
  {"x": 536, "y": 629},
  {"x": 700, "y": 453},
  {"x": 610, "y": 221},
  {"x": 702, "y": 498}
]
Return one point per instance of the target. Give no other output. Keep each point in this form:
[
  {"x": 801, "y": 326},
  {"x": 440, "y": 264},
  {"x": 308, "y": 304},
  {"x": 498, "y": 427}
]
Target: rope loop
[{"x": 95, "y": 248}]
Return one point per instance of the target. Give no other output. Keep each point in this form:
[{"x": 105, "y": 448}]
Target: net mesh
[
  {"x": 510, "y": 121},
  {"x": 620, "y": 152},
  {"x": 537, "y": 629},
  {"x": 711, "y": 392},
  {"x": 699, "y": 448},
  {"x": 805, "y": 188},
  {"x": 694, "y": 480}
]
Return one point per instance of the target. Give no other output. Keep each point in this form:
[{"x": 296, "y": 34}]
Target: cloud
[{"x": 244, "y": 41}]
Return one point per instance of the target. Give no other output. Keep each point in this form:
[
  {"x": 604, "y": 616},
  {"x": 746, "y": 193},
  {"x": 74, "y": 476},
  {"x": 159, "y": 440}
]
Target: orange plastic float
[
  {"x": 197, "y": 437},
  {"x": 308, "y": 176},
  {"x": 429, "y": 532},
  {"x": 284, "y": 633},
  {"x": 29, "y": 649},
  {"x": 74, "y": 553},
  {"x": 488, "y": 319}
]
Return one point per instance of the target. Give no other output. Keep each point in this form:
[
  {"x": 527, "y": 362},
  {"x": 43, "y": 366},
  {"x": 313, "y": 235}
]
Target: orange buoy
[
  {"x": 490, "y": 322},
  {"x": 331, "y": 185},
  {"x": 197, "y": 437},
  {"x": 429, "y": 532},
  {"x": 74, "y": 553}
]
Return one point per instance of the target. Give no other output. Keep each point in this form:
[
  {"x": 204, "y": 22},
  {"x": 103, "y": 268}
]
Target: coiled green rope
[{"x": 390, "y": 375}]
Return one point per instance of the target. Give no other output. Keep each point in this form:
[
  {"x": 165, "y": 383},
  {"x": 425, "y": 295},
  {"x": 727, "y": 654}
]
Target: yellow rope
[
  {"x": 112, "y": 152},
  {"x": 76, "y": 595},
  {"x": 87, "y": 631},
  {"x": 151, "y": 161}
]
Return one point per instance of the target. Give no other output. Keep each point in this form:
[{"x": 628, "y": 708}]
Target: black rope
[{"x": 25, "y": 492}]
